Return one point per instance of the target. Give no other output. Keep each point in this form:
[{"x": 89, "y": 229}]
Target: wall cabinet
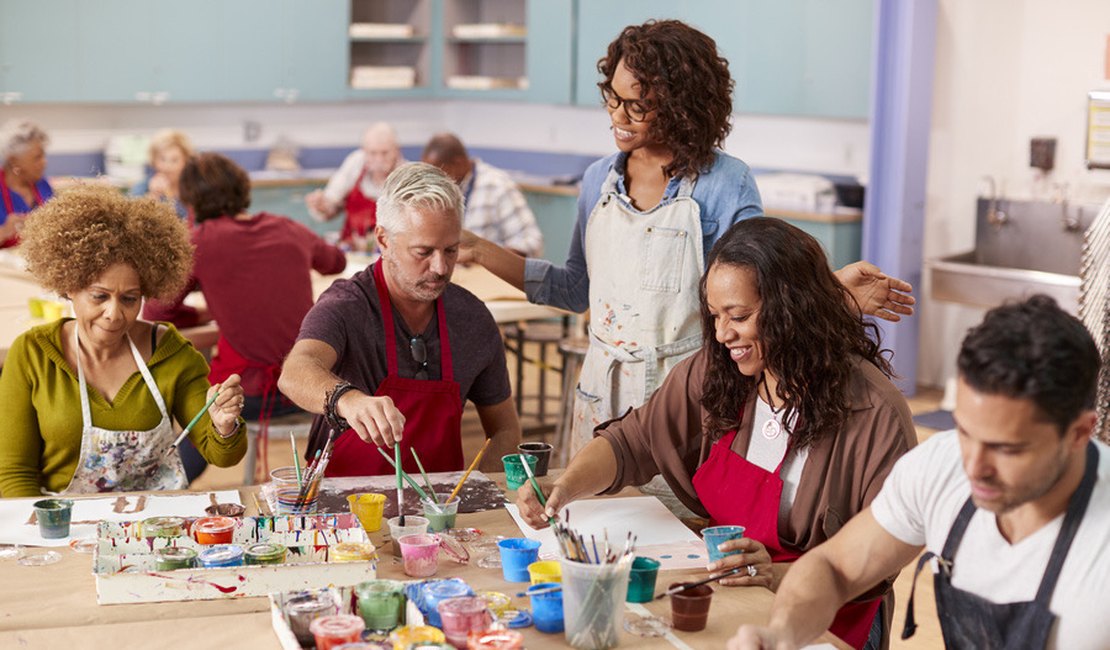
[
  {"x": 788, "y": 57},
  {"x": 117, "y": 51}
]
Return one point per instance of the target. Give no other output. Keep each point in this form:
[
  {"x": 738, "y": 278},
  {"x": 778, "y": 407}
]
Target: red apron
[
  {"x": 9, "y": 207},
  {"x": 362, "y": 215},
  {"x": 737, "y": 492},
  {"x": 433, "y": 410},
  {"x": 228, "y": 361}
]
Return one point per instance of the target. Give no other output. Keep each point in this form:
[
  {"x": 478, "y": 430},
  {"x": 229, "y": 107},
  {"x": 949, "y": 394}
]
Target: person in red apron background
[
  {"x": 355, "y": 186},
  {"x": 23, "y": 186},
  {"x": 1012, "y": 508},
  {"x": 255, "y": 271},
  {"x": 785, "y": 422},
  {"x": 390, "y": 355}
]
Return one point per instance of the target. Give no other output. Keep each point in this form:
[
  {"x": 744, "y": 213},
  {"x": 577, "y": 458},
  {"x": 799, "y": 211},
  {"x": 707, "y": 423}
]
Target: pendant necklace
[{"x": 772, "y": 427}]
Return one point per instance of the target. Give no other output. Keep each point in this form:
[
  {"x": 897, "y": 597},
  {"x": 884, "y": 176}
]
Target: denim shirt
[{"x": 726, "y": 193}]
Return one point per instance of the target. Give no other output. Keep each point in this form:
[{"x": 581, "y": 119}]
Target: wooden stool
[
  {"x": 573, "y": 350},
  {"x": 546, "y": 333}
]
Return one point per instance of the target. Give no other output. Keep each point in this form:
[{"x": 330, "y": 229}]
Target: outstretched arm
[{"x": 876, "y": 293}]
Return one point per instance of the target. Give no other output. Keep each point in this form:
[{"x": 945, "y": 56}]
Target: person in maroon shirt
[{"x": 255, "y": 272}]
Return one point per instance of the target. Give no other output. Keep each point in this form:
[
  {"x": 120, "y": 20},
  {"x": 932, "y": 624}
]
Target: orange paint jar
[{"x": 214, "y": 530}]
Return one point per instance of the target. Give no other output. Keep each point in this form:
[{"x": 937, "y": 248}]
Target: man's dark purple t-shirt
[{"x": 348, "y": 317}]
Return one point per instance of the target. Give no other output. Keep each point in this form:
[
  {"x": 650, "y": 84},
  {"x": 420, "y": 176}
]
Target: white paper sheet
[
  {"x": 17, "y": 525},
  {"x": 659, "y": 534}
]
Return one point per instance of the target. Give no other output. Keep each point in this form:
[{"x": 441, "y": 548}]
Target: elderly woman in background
[
  {"x": 169, "y": 151},
  {"x": 88, "y": 403},
  {"x": 22, "y": 184},
  {"x": 785, "y": 422}
]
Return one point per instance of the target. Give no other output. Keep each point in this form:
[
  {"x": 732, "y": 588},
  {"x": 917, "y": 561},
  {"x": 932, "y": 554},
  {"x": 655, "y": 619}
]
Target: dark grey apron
[{"x": 968, "y": 621}]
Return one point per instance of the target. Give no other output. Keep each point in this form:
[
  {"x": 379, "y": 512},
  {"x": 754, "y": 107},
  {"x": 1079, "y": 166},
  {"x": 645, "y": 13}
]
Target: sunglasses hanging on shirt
[{"x": 420, "y": 355}]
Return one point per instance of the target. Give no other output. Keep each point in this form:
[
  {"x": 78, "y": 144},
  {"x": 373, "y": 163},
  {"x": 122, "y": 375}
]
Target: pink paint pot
[
  {"x": 335, "y": 630},
  {"x": 420, "y": 554},
  {"x": 214, "y": 530},
  {"x": 461, "y": 616}
]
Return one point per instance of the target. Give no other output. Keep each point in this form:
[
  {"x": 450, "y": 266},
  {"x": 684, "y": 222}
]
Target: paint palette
[{"x": 125, "y": 571}]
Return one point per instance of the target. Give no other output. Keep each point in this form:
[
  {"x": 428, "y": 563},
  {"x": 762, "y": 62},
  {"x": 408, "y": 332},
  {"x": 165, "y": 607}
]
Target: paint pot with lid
[
  {"x": 351, "y": 552},
  {"x": 460, "y": 616},
  {"x": 420, "y": 554},
  {"x": 381, "y": 603},
  {"x": 172, "y": 558},
  {"x": 417, "y": 636},
  {"x": 334, "y": 630},
  {"x": 495, "y": 640},
  {"x": 162, "y": 527},
  {"x": 304, "y": 607},
  {"x": 221, "y": 555},
  {"x": 263, "y": 553},
  {"x": 214, "y": 530}
]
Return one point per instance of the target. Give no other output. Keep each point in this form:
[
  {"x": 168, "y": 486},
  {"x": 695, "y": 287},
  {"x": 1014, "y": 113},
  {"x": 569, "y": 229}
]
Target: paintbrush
[
  {"x": 400, "y": 484},
  {"x": 296, "y": 459},
  {"x": 192, "y": 423},
  {"x": 455, "y": 492},
  {"x": 427, "y": 481},
  {"x": 412, "y": 482},
  {"x": 535, "y": 485},
  {"x": 690, "y": 585}
]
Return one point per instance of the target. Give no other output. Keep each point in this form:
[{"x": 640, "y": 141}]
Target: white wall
[
  {"x": 1006, "y": 71},
  {"x": 832, "y": 146}
]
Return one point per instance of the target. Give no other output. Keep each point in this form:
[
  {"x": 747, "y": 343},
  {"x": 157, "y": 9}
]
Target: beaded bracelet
[{"x": 331, "y": 400}]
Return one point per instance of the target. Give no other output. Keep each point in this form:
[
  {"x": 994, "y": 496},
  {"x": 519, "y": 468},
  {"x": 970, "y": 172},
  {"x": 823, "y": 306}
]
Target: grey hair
[
  {"x": 17, "y": 135},
  {"x": 417, "y": 186}
]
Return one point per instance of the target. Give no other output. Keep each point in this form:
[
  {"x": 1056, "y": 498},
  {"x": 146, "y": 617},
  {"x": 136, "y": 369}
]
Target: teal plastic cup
[
  {"x": 641, "y": 581},
  {"x": 514, "y": 470},
  {"x": 717, "y": 535}
]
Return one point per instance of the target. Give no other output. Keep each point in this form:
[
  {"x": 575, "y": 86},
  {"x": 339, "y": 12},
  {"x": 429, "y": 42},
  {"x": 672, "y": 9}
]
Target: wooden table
[{"x": 55, "y": 606}]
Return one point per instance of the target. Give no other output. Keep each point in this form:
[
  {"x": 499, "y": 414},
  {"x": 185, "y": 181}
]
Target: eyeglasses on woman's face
[
  {"x": 420, "y": 355},
  {"x": 637, "y": 110}
]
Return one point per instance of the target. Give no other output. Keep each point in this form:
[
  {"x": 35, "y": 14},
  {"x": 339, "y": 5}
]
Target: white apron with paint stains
[
  {"x": 644, "y": 312},
  {"x": 125, "y": 461}
]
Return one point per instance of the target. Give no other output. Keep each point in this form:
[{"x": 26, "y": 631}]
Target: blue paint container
[
  {"x": 221, "y": 555},
  {"x": 547, "y": 606},
  {"x": 516, "y": 554},
  {"x": 717, "y": 535}
]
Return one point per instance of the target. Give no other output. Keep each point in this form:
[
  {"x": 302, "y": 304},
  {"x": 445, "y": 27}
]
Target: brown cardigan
[{"x": 841, "y": 476}]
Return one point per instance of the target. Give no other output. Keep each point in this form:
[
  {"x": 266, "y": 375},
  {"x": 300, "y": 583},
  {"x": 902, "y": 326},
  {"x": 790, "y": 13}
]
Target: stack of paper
[
  {"x": 489, "y": 30},
  {"x": 373, "y": 76},
  {"x": 380, "y": 30},
  {"x": 480, "y": 82}
]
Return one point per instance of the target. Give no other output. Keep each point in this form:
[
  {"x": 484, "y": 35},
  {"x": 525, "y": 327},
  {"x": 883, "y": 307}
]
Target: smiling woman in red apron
[
  {"x": 22, "y": 184},
  {"x": 785, "y": 423}
]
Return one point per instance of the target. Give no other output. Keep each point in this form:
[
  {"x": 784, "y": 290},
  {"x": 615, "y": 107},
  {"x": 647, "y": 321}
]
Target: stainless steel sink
[{"x": 1022, "y": 248}]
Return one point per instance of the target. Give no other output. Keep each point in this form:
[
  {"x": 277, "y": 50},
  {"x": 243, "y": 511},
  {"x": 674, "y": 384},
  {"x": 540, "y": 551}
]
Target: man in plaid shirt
[{"x": 495, "y": 208}]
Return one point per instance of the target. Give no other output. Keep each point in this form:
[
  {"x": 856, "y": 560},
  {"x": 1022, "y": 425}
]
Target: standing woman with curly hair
[
  {"x": 87, "y": 402},
  {"x": 647, "y": 216},
  {"x": 786, "y": 422}
]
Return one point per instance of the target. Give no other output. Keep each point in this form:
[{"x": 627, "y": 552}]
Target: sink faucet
[
  {"x": 1071, "y": 222},
  {"x": 995, "y": 217}
]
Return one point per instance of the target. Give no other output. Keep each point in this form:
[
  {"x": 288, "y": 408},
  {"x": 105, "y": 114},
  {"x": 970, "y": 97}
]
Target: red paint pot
[
  {"x": 214, "y": 530},
  {"x": 461, "y": 616},
  {"x": 337, "y": 629}
]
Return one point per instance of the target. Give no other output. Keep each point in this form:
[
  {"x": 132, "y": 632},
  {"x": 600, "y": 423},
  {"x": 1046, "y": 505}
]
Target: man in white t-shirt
[
  {"x": 354, "y": 188},
  {"x": 1014, "y": 504}
]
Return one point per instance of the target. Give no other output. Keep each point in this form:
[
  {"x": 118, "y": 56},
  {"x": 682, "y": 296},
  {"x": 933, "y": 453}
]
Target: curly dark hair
[
  {"x": 74, "y": 237},
  {"x": 1033, "y": 350},
  {"x": 690, "y": 83},
  {"x": 214, "y": 187},
  {"x": 810, "y": 334}
]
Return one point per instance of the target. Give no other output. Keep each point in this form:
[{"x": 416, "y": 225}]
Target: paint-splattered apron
[
  {"x": 644, "y": 312},
  {"x": 125, "y": 461}
]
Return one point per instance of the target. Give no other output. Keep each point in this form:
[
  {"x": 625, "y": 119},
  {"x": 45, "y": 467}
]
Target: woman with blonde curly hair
[{"x": 87, "y": 402}]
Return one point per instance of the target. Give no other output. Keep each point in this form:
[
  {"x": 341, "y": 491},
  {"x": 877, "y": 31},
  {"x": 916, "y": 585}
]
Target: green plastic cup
[
  {"x": 641, "y": 582},
  {"x": 514, "y": 471}
]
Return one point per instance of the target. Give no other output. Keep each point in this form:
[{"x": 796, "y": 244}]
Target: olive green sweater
[{"x": 40, "y": 409}]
